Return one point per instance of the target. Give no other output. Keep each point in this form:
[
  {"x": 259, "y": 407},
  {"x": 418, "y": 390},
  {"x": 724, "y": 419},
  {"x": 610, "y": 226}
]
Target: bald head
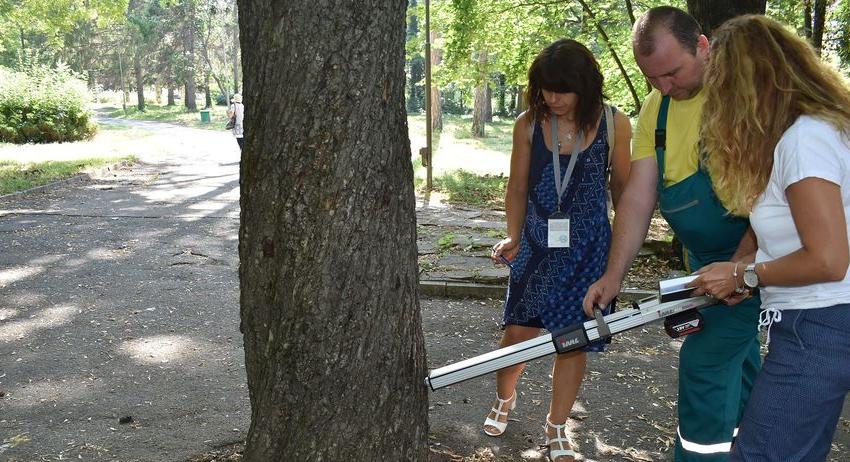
[{"x": 665, "y": 19}]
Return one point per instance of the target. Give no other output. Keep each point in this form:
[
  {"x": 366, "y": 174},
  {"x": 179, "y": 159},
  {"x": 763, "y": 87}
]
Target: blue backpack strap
[{"x": 661, "y": 138}]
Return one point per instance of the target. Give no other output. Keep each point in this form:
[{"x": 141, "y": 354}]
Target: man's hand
[{"x": 600, "y": 293}]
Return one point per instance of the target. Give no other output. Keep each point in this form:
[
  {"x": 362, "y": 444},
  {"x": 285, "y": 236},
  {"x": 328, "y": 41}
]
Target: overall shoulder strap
[{"x": 661, "y": 137}]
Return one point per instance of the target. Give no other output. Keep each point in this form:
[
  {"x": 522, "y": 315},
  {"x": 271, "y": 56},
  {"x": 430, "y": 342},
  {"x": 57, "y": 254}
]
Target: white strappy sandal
[
  {"x": 495, "y": 423},
  {"x": 560, "y": 439}
]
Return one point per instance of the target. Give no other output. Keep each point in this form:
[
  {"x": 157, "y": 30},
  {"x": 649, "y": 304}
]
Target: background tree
[
  {"x": 189, "y": 26},
  {"x": 712, "y": 13},
  {"x": 333, "y": 344},
  {"x": 415, "y": 61}
]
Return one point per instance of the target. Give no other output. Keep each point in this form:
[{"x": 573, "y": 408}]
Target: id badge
[{"x": 559, "y": 231}]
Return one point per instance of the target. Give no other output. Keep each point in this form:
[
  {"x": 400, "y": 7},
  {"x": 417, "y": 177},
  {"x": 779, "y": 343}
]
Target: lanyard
[{"x": 561, "y": 184}]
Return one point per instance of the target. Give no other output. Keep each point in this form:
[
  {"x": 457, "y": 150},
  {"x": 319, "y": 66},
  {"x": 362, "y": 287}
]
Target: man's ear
[{"x": 703, "y": 45}]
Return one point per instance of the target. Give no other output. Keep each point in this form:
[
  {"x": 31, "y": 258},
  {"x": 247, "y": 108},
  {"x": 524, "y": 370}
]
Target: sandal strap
[
  {"x": 502, "y": 402},
  {"x": 495, "y": 423},
  {"x": 558, "y": 439}
]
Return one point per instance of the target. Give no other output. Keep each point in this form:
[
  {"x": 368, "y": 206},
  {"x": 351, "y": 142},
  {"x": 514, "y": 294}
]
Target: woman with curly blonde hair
[{"x": 777, "y": 126}]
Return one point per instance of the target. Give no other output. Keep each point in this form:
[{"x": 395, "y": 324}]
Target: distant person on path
[
  {"x": 777, "y": 126},
  {"x": 557, "y": 220},
  {"x": 718, "y": 365},
  {"x": 237, "y": 110}
]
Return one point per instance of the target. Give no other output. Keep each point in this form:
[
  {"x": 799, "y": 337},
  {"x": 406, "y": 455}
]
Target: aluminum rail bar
[{"x": 561, "y": 341}]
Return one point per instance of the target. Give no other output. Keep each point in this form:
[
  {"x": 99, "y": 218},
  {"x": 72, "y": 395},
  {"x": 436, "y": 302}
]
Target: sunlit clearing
[
  {"x": 162, "y": 349},
  {"x": 46, "y": 319},
  {"x": 11, "y": 275}
]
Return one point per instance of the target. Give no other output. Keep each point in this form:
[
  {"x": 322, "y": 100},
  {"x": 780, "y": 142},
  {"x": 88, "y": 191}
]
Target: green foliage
[
  {"x": 446, "y": 241},
  {"x": 43, "y": 105},
  {"x": 41, "y": 28},
  {"x": 463, "y": 187}
]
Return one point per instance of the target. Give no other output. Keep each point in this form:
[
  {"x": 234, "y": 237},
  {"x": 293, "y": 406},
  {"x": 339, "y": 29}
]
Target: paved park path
[{"x": 119, "y": 319}]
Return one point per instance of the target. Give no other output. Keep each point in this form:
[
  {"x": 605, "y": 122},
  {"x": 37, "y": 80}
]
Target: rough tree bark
[
  {"x": 712, "y": 13},
  {"x": 327, "y": 244}
]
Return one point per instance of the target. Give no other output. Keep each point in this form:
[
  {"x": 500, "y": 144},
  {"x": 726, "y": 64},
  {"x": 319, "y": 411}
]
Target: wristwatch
[{"x": 751, "y": 279}]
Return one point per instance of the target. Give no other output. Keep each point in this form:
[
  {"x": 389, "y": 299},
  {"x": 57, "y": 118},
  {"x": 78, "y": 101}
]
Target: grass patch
[
  {"x": 462, "y": 187},
  {"x": 498, "y": 134},
  {"x": 446, "y": 241},
  {"x": 19, "y": 176},
  {"x": 176, "y": 115}
]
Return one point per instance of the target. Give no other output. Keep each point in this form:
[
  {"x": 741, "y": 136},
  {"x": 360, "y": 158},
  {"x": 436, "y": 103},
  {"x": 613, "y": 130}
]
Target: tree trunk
[
  {"x": 712, "y": 13},
  {"x": 171, "y": 99},
  {"x": 480, "y": 97},
  {"x": 140, "y": 81},
  {"x": 436, "y": 101},
  {"x": 207, "y": 92},
  {"x": 189, "y": 44},
  {"x": 478, "y": 122},
  {"x": 334, "y": 350},
  {"x": 501, "y": 109},
  {"x": 807, "y": 19},
  {"x": 818, "y": 18},
  {"x": 488, "y": 103},
  {"x": 521, "y": 100}
]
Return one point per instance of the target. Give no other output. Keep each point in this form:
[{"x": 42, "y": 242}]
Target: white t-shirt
[{"x": 811, "y": 147}]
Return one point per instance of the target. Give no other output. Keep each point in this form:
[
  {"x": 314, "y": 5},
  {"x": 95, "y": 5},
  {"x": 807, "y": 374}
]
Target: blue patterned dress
[{"x": 547, "y": 286}]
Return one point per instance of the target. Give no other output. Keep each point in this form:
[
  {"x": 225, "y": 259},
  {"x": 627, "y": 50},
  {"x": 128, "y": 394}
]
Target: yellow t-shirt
[{"x": 681, "y": 157}]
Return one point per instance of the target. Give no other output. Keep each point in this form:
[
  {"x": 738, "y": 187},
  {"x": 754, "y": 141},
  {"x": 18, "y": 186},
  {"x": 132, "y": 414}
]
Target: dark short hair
[
  {"x": 566, "y": 66},
  {"x": 681, "y": 25}
]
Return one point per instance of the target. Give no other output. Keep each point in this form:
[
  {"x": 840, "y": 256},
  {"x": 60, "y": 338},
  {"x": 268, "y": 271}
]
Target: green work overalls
[{"x": 717, "y": 366}]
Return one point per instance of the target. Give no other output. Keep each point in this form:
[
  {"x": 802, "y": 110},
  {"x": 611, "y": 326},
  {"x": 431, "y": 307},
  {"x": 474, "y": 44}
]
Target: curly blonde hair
[{"x": 760, "y": 78}]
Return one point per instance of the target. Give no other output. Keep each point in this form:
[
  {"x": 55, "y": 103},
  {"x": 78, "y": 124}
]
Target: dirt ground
[{"x": 625, "y": 411}]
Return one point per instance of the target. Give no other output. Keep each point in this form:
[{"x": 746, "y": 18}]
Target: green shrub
[{"x": 43, "y": 105}]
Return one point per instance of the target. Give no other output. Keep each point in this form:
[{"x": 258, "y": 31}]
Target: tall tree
[
  {"x": 814, "y": 17},
  {"x": 142, "y": 28},
  {"x": 712, "y": 13},
  {"x": 479, "y": 103},
  {"x": 327, "y": 243},
  {"x": 190, "y": 98}
]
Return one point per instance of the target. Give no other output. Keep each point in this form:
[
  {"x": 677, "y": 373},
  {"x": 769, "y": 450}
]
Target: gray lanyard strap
[{"x": 561, "y": 184}]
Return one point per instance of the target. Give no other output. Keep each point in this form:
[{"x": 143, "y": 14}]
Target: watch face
[{"x": 751, "y": 279}]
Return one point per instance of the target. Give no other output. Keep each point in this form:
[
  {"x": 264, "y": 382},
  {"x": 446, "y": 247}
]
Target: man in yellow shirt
[{"x": 717, "y": 366}]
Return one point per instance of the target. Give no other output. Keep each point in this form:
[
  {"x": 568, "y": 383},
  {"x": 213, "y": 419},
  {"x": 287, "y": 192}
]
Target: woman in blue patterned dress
[{"x": 558, "y": 228}]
